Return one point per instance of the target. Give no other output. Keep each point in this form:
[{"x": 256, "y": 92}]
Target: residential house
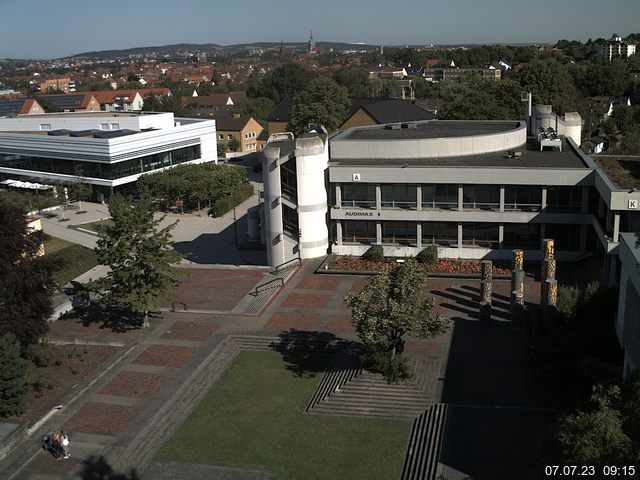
[
  {"x": 616, "y": 48},
  {"x": 244, "y": 128},
  {"x": 65, "y": 85},
  {"x": 214, "y": 105},
  {"x": 278, "y": 119},
  {"x": 74, "y": 102},
  {"x": 375, "y": 111},
  {"x": 19, "y": 106}
]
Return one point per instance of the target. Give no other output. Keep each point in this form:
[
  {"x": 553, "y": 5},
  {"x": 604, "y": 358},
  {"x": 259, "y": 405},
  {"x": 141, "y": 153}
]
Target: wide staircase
[
  {"x": 348, "y": 390},
  {"x": 425, "y": 444}
]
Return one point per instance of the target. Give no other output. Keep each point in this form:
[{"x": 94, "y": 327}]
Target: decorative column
[
  {"x": 548, "y": 268},
  {"x": 551, "y": 291},
  {"x": 517, "y": 275},
  {"x": 486, "y": 275}
]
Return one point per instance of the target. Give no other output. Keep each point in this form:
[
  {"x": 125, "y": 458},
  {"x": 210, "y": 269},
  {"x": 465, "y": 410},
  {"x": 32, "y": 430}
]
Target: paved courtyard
[{"x": 486, "y": 376}]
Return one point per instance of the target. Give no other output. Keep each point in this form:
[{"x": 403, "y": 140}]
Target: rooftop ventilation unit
[{"x": 514, "y": 154}]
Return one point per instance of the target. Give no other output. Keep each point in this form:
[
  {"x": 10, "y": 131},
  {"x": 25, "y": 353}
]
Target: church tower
[{"x": 312, "y": 43}]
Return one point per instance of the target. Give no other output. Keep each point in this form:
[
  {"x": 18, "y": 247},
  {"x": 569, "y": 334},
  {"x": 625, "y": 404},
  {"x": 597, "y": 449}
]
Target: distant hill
[{"x": 214, "y": 48}]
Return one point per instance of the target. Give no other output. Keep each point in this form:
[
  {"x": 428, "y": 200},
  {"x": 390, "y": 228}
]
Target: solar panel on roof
[
  {"x": 66, "y": 101},
  {"x": 11, "y": 107}
]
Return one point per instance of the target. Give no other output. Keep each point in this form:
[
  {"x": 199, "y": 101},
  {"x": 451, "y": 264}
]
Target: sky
[{"x": 51, "y": 29}]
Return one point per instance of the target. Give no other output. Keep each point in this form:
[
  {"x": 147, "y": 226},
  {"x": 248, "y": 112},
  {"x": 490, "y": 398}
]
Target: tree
[
  {"x": 139, "y": 257},
  {"x": 80, "y": 189},
  {"x": 259, "y": 108},
  {"x": 222, "y": 149},
  {"x": 550, "y": 84},
  {"x": 233, "y": 144},
  {"x": 322, "y": 102},
  {"x": 289, "y": 79},
  {"x": 12, "y": 371},
  {"x": 392, "y": 305},
  {"x": 26, "y": 282},
  {"x": 354, "y": 79},
  {"x": 594, "y": 437}
]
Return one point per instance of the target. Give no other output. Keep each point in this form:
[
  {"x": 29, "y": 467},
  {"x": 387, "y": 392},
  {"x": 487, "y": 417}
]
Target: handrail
[
  {"x": 263, "y": 286},
  {"x": 286, "y": 265}
]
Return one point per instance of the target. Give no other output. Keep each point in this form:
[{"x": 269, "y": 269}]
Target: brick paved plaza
[{"x": 486, "y": 365}]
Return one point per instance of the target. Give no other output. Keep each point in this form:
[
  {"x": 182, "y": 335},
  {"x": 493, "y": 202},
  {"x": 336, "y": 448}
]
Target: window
[
  {"x": 290, "y": 222},
  {"x": 399, "y": 196},
  {"x": 484, "y": 197},
  {"x": 220, "y": 136},
  {"x": 45, "y": 126},
  {"x": 522, "y": 198},
  {"x": 567, "y": 237},
  {"x": 440, "y": 196},
  {"x": 355, "y": 231},
  {"x": 359, "y": 195},
  {"x": 525, "y": 236},
  {"x": 564, "y": 199},
  {"x": 229, "y": 136},
  {"x": 104, "y": 126},
  {"x": 115, "y": 126},
  {"x": 437, "y": 233},
  {"x": 480, "y": 235},
  {"x": 399, "y": 232}
]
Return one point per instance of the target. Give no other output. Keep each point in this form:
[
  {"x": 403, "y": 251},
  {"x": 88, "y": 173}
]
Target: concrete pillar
[
  {"x": 616, "y": 227},
  {"x": 502, "y": 198},
  {"x": 517, "y": 286},
  {"x": 378, "y": 233},
  {"x": 378, "y": 198},
  {"x": 485, "y": 312},
  {"x": 500, "y": 235},
  {"x": 419, "y": 235},
  {"x": 419, "y": 197},
  {"x": 339, "y": 233},
  {"x": 459, "y": 236},
  {"x": 338, "y": 196},
  {"x": 517, "y": 259},
  {"x": 460, "y": 198},
  {"x": 543, "y": 199}
]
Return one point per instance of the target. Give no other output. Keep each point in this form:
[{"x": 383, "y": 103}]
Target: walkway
[{"x": 122, "y": 419}]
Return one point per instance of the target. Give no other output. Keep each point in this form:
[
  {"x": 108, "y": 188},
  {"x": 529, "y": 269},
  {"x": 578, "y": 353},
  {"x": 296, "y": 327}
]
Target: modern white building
[
  {"x": 111, "y": 149},
  {"x": 476, "y": 189},
  {"x": 616, "y": 48}
]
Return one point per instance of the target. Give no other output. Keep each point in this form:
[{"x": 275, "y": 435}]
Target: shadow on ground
[
  {"x": 97, "y": 468},
  {"x": 112, "y": 318},
  {"x": 306, "y": 353}
]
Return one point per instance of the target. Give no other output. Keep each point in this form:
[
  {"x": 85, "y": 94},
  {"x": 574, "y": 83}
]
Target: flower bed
[{"x": 350, "y": 263}]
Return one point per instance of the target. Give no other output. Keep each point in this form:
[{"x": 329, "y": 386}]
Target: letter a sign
[{"x": 355, "y": 177}]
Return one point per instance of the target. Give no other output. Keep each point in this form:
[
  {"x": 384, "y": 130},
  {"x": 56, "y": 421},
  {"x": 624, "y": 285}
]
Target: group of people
[{"x": 57, "y": 444}]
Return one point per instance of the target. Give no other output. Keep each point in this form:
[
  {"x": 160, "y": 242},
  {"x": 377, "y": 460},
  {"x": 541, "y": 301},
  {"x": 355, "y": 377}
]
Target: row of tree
[{"x": 192, "y": 185}]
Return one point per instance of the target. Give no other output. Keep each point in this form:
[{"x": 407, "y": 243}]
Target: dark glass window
[
  {"x": 358, "y": 231},
  {"x": 440, "y": 196},
  {"x": 485, "y": 197},
  {"x": 289, "y": 180},
  {"x": 290, "y": 222},
  {"x": 439, "y": 233},
  {"x": 359, "y": 195},
  {"x": 567, "y": 237},
  {"x": 524, "y": 198},
  {"x": 399, "y": 232},
  {"x": 480, "y": 235},
  {"x": 399, "y": 196},
  {"x": 525, "y": 236},
  {"x": 564, "y": 199}
]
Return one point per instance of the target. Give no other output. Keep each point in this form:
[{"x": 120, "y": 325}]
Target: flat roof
[
  {"x": 430, "y": 129},
  {"x": 623, "y": 171},
  {"x": 531, "y": 157}
]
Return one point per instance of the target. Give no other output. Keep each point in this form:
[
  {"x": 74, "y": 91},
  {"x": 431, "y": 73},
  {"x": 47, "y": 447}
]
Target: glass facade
[
  {"x": 440, "y": 196},
  {"x": 358, "y": 231},
  {"x": 359, "y": 195},
  {"x": 567, "y": 237},
  {"x": 484, "y": 197},
  {"x": 289, "y": 180},
  {"x": 107, "y": 171},
  {"x": 438, "y": 233},
  {"x": 290, "y": 221},
  {"x": 399, "y": 233},
  {"x": 564, "y": 199},
  {"x": 480, "y": 235},
  {"x": 521, "y": 235},
  {"x": 399, "y": 196},
  {"x": 523, "y": 198}
]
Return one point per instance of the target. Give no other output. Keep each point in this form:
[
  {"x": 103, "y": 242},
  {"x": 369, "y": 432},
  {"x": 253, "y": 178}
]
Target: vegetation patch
[
  {"x": 351, "y": 263},
  {"x": 253, "y": 418},
  {"x": 72, "y": 260}
]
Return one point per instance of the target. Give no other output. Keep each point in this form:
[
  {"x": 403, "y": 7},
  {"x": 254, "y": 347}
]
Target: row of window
[
  {"x": 445, "y": 196},
  {"x": 108, "y": 171},
  {"x": 515, "y": 235}
]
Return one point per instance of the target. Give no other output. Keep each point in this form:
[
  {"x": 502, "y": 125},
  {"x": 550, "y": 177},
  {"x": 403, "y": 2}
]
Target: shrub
[
  {"x": 226, "y": 204},
  {"x": 428, "y": 255},
  {"x": 375, "y": 254},
  {"x": 12, "y": 370},
  {"x": 40, "y": 382},
  {"x": 39, "y": 353},
  {"x": 394, "y": 368},
  {"x": 567, "y": 303}
]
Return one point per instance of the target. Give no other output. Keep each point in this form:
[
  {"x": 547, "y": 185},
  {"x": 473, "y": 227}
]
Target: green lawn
[
  {"x": 75, "y": 259},
  {"x": 253, "y": 418},
  {"x": 95, "y": 226}
]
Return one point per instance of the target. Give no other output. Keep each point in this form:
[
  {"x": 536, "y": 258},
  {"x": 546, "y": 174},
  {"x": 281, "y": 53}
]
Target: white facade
[
  {"x": 27, "y": 137},
  {"x": 615, "y": 47},
  {"x": 628, "y": 321}
]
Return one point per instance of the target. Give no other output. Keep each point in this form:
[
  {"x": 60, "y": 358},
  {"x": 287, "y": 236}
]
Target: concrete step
[
  {"x": 348, "y": 392},
  {"x": 380, "y": 412},
  {"x": 425, "y": 444},
  {"x": 388, "y": 404}
]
